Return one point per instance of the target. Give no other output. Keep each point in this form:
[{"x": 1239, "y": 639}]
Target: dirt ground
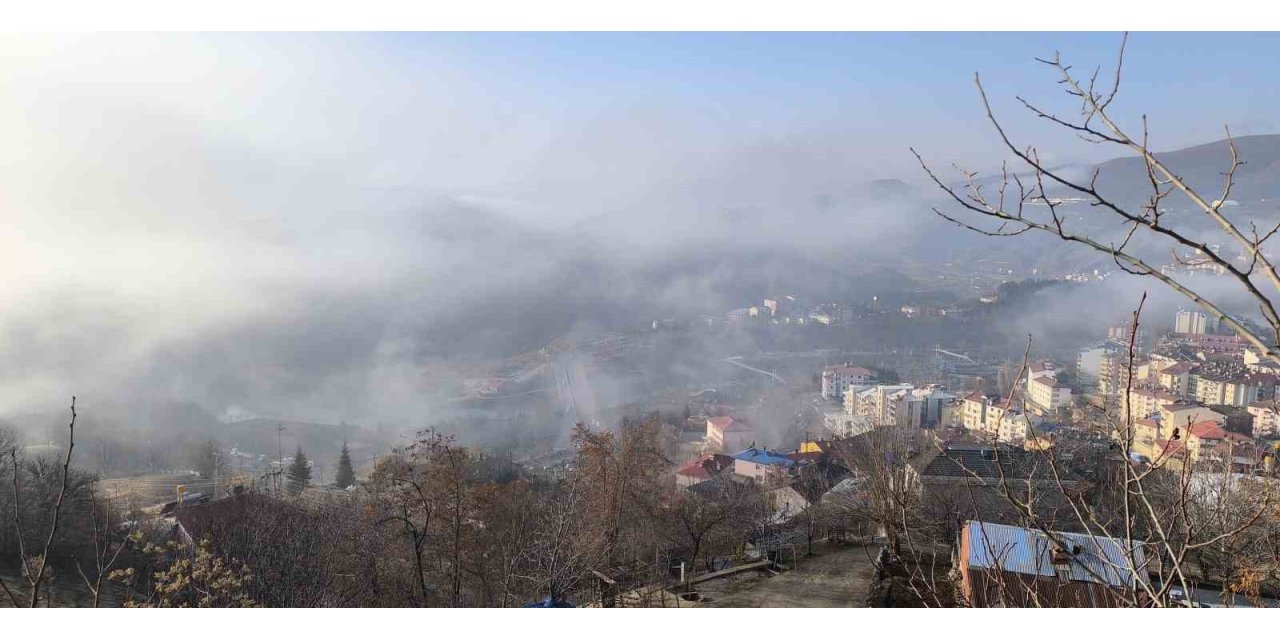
[{"x": 835, "y": 576}]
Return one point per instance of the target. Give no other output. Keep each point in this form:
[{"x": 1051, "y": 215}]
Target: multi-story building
[
  {"x": 1000, "y": 419},
  {"x": 1175, "y": 378},
  {"x": 1144, "y": 402},
  {"x": 837, "y": 379},
  {"x": 876, "y": 402},
  {"x": 1116, "y": 373},
  {"x": 1183, "y": 414},
  {"x": 1230, "y": 383},
  {"x": 842, "y": 425},
  {"x": 1017, "y": 428},
  {"x": 1045, "y": 395},
  {"x": 973, "y": 411},
  {"x": 1265, "y": 423},
  {"x": 729, "y": 434},
  {"x": 1203, "y": 438},
  {"x": 1191, "y": 321},
  {"x": 1120, "y": 335},
  {"x": 898, "y": 404}
]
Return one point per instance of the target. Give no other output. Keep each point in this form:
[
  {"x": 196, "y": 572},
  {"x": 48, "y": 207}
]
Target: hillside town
[
  {"x": 653, "y": 320},
  {"x": 752, "y": 509}
]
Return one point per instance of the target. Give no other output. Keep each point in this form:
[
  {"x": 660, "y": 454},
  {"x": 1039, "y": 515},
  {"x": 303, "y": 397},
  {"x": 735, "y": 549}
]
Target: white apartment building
[
  {"x": 898, "y": 404},
  {"x": 1017, "y": 428},
  {"x": 1190, "y": 321},
  {"x": 838, "y": 379},
  {"x": 1266, "y": 423},
  {"x": 1045, "y": 395}
]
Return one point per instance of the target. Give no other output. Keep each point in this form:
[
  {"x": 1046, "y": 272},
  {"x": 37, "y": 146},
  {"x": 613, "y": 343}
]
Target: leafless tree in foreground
[
  {"x": 35, "y": 568},
  {"x": 104, "y": 557},
  {"x": 1021, "y": 204}
]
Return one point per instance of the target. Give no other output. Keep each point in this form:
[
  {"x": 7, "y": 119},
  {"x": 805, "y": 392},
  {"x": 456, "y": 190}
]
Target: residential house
[
  {"x": 1007, "y": 566},
  {"x": 762, "y": 465},
  {"x": 729, "y": 433}
]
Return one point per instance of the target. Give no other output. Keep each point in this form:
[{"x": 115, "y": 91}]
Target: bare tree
[
  {"x": 35, "y": 568},
  {"x": 104, "y": 558},
  {"x": 1020, "y": 204}
]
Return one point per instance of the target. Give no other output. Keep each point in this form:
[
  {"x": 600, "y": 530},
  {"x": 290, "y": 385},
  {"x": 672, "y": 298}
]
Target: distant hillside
[
  {"x": 1123, "y": 180},
  {"x": 1202, "y": 167}
]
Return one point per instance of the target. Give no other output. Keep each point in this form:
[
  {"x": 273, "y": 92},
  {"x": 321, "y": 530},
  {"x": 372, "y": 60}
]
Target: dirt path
[{"x": 834, "y": 576}]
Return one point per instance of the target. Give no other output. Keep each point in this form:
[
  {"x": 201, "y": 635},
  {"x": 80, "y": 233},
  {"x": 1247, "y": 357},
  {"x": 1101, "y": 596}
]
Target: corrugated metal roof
[{"x": 1029, "y": 551}]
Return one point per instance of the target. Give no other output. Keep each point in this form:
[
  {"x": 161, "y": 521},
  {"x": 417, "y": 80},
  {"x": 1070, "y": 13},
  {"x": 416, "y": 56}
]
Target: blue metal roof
[
  {"x": 1029, "y": 551},
  {"x": 764, "y": 456}
]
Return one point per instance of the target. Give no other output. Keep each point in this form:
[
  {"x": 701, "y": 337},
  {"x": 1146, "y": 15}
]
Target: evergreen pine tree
[
  {"x": 346, "y": 475},
  {"x": 299, "y": 473}
]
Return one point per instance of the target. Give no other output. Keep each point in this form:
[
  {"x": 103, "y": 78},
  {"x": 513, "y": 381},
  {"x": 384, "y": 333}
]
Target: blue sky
[{"x": 1192, "y": 82}]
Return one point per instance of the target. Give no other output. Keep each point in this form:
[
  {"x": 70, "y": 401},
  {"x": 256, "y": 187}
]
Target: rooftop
[
  {"x": 848, "y": 370},
  {"x": 1094, "y": 559},
  {"x": 727, "y": 424},
  {"x": 1177, "y": 369},
  {"x": 983, "y": 461},
  {"x": 706, "y": 466},
  {"x": 764, "y": 456}
]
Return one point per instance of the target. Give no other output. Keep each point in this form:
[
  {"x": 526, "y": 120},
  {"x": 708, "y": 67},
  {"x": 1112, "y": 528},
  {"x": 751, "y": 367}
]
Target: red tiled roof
[
  {"x": 706, "y": 466},
  {"x": 1177, "y": 369},
  {"x": 1208, "y": 430},
  {"x": 694, "y": 470}
]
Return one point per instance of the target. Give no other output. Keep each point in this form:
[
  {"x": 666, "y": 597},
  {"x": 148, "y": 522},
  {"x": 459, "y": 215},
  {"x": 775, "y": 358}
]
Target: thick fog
[
  {"x": 324, "y": 229},
  {"x": 295, "y": 226}
]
